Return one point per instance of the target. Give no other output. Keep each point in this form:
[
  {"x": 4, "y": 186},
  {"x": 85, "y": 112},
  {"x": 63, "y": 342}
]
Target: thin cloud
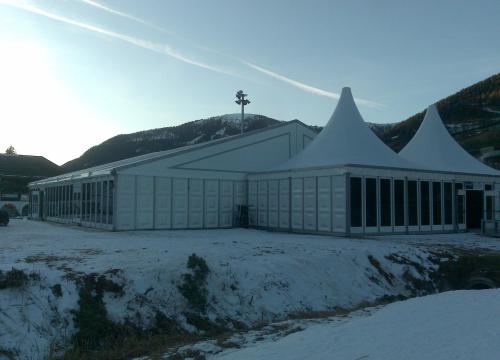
[
  {"x": 145, "y": 44},
  {"x": 307, "y": 88},
  {"x": 125, "y": 15},
  {"x": 295, "y": 83}
]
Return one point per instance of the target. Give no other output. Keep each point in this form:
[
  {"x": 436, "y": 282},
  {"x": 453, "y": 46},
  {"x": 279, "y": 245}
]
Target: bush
[
  {"x": 91, "y": 320},
  {"x": 193, "y": 287},
  {"x": 13, "y": 279},
  {"x": 4, "y": 218}
]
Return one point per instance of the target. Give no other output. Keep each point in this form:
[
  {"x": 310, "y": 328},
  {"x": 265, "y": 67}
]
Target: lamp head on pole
[{"x": 240, "y": 96}]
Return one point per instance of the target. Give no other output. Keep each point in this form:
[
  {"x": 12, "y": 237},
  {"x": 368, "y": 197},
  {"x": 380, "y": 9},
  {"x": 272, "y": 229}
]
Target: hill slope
[
  {"x": 16, "y": 171},
  {"x": 472, "y": 116},
  {"x": 124, "y": 146}
]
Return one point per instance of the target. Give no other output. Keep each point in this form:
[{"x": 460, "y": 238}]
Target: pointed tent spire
[
  {"x": 433, "y": 147},
  {"x": 345, "y": 140}
]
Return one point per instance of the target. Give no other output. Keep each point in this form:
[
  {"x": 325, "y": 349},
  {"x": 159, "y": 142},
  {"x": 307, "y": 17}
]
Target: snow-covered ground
[
  {"x": 459, "y": 325},
  {"x": 255, "y": 277}
]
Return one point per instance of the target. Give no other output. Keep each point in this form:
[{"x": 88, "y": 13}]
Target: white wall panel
[
  {"x": 195, "y": 203},
  {"x": 226, "y": 203},
  {"x": 180, "y": 204},
  {"x": 339, "y": 203},
  {"x": 125, "y": 202},
  {"x": 252, "y": 202},
  {"x": 297, "y": 204},
  {"x": 310, "y": 203},
  {"x": 284, "y": 203},
  {"x": 263, "y": 203},
  {"x": 163, "y": 203},
  {"x": 273, "y": 203},
  {"x": 144, "y": 202},
  {"x": 211, "y": 203},
  {"x": 324, "y": 203}
]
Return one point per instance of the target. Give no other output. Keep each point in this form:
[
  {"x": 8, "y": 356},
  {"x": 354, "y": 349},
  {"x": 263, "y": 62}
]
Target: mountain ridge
[{"x": 472, "y": 115}]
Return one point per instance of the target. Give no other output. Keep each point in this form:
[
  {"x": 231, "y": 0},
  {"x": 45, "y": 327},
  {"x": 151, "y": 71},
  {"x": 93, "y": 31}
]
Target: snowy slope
[
  {"x": 255, "y": 275},
  {"x": 461, "y": 325}
]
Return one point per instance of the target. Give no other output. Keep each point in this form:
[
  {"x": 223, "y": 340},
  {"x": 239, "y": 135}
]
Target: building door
[{"x": 474, "y": 208}]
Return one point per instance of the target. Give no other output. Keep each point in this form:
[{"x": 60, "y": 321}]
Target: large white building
[{"x": 343, "y": 181}]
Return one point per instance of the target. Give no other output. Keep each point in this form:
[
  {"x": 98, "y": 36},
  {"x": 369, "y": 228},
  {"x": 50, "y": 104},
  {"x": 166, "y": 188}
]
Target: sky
[{"x": 74, "y": 73}]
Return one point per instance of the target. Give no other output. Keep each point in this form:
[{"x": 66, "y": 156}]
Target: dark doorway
[{"x": 474, "y": 208}]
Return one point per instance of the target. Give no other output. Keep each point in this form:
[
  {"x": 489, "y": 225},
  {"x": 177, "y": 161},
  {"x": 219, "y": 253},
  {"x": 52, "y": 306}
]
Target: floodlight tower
[{"x": 242, "y": 101}]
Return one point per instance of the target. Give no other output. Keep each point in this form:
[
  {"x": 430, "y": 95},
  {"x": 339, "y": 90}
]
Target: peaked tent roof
[
  {"x": 433, "y": 147},
  {"x": 345, "y": 140}
]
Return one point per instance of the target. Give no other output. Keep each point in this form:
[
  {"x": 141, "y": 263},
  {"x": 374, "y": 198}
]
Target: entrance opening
[{"x": 474, "y": 208}]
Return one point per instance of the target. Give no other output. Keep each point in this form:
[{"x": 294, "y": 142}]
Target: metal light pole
[{"x": 242, "y": 101}]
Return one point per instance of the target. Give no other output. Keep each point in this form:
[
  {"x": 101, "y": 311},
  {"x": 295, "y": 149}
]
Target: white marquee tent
[
  {"x": 348, "y": 181},
  {"x": 198, "y": 186},
  {"x": 434, "y": 148},
  {"x": 343, "y": 181}
]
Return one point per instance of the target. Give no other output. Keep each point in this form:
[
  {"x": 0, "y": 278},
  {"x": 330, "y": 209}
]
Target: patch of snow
[
  {"x": 195, "y": 140},
  {"x": 460, "y": 325},
  {"x": 255, "y": 275}
]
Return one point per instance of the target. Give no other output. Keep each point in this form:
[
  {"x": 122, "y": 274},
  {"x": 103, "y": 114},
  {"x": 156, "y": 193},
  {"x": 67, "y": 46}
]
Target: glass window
[
  {"x": 448, "y": 204},
  {"x": 71, "y": 200},
  {"x": 399, "y": 202},
  {"x": 50, "y": 202},
  {"x": 92, "y": 202},
  {"x": 110, "y": 208},
  {"x": 385, "y": 202},
  {"x": 65, "y": 194},
  {"x": 77, "y": 204},
  {"x": 489, "y": 208},
  {"x": 56, "y": 201},
  {"x": 356, "y": 204},
  {"x": 98, "y": 203},
  {"x": 412, "y": 203},
  {"x": 371, "y": 201},
  {"x": 460, "y": 204},
  {"x": 89, "y": 196},
  {"x": 84, "y": 201},
  {"x": 105, "y": 202},
  {"x": 424, "y": 203},
  {"x": 436, "y": 203},
  {"x": 62, "y": 202}
]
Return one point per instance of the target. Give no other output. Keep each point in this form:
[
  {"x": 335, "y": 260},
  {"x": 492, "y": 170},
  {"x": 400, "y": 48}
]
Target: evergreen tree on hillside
[{"x": 11, "y": 150}]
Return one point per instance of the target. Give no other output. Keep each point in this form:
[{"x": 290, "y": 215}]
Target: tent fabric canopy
[
  {"x": 433, "y": 147},
  {"x": 345, "y": 140}
]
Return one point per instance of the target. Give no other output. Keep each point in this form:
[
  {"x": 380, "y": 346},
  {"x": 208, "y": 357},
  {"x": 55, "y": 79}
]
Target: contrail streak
[
  {"x": 145, "y": 44},
  {"x": 297, "y": 84},
  {"x": 307, "y": 88},
  {"x": 125, "y": 15}
]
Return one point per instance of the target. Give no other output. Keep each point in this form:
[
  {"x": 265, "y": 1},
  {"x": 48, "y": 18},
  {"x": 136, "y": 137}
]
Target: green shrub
[
  {"x": 91, "y": 318},
  {"x": 194, "y": 283},
  {"x": 57, "y": 290},
  {"x": 13, "y": 279}
]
